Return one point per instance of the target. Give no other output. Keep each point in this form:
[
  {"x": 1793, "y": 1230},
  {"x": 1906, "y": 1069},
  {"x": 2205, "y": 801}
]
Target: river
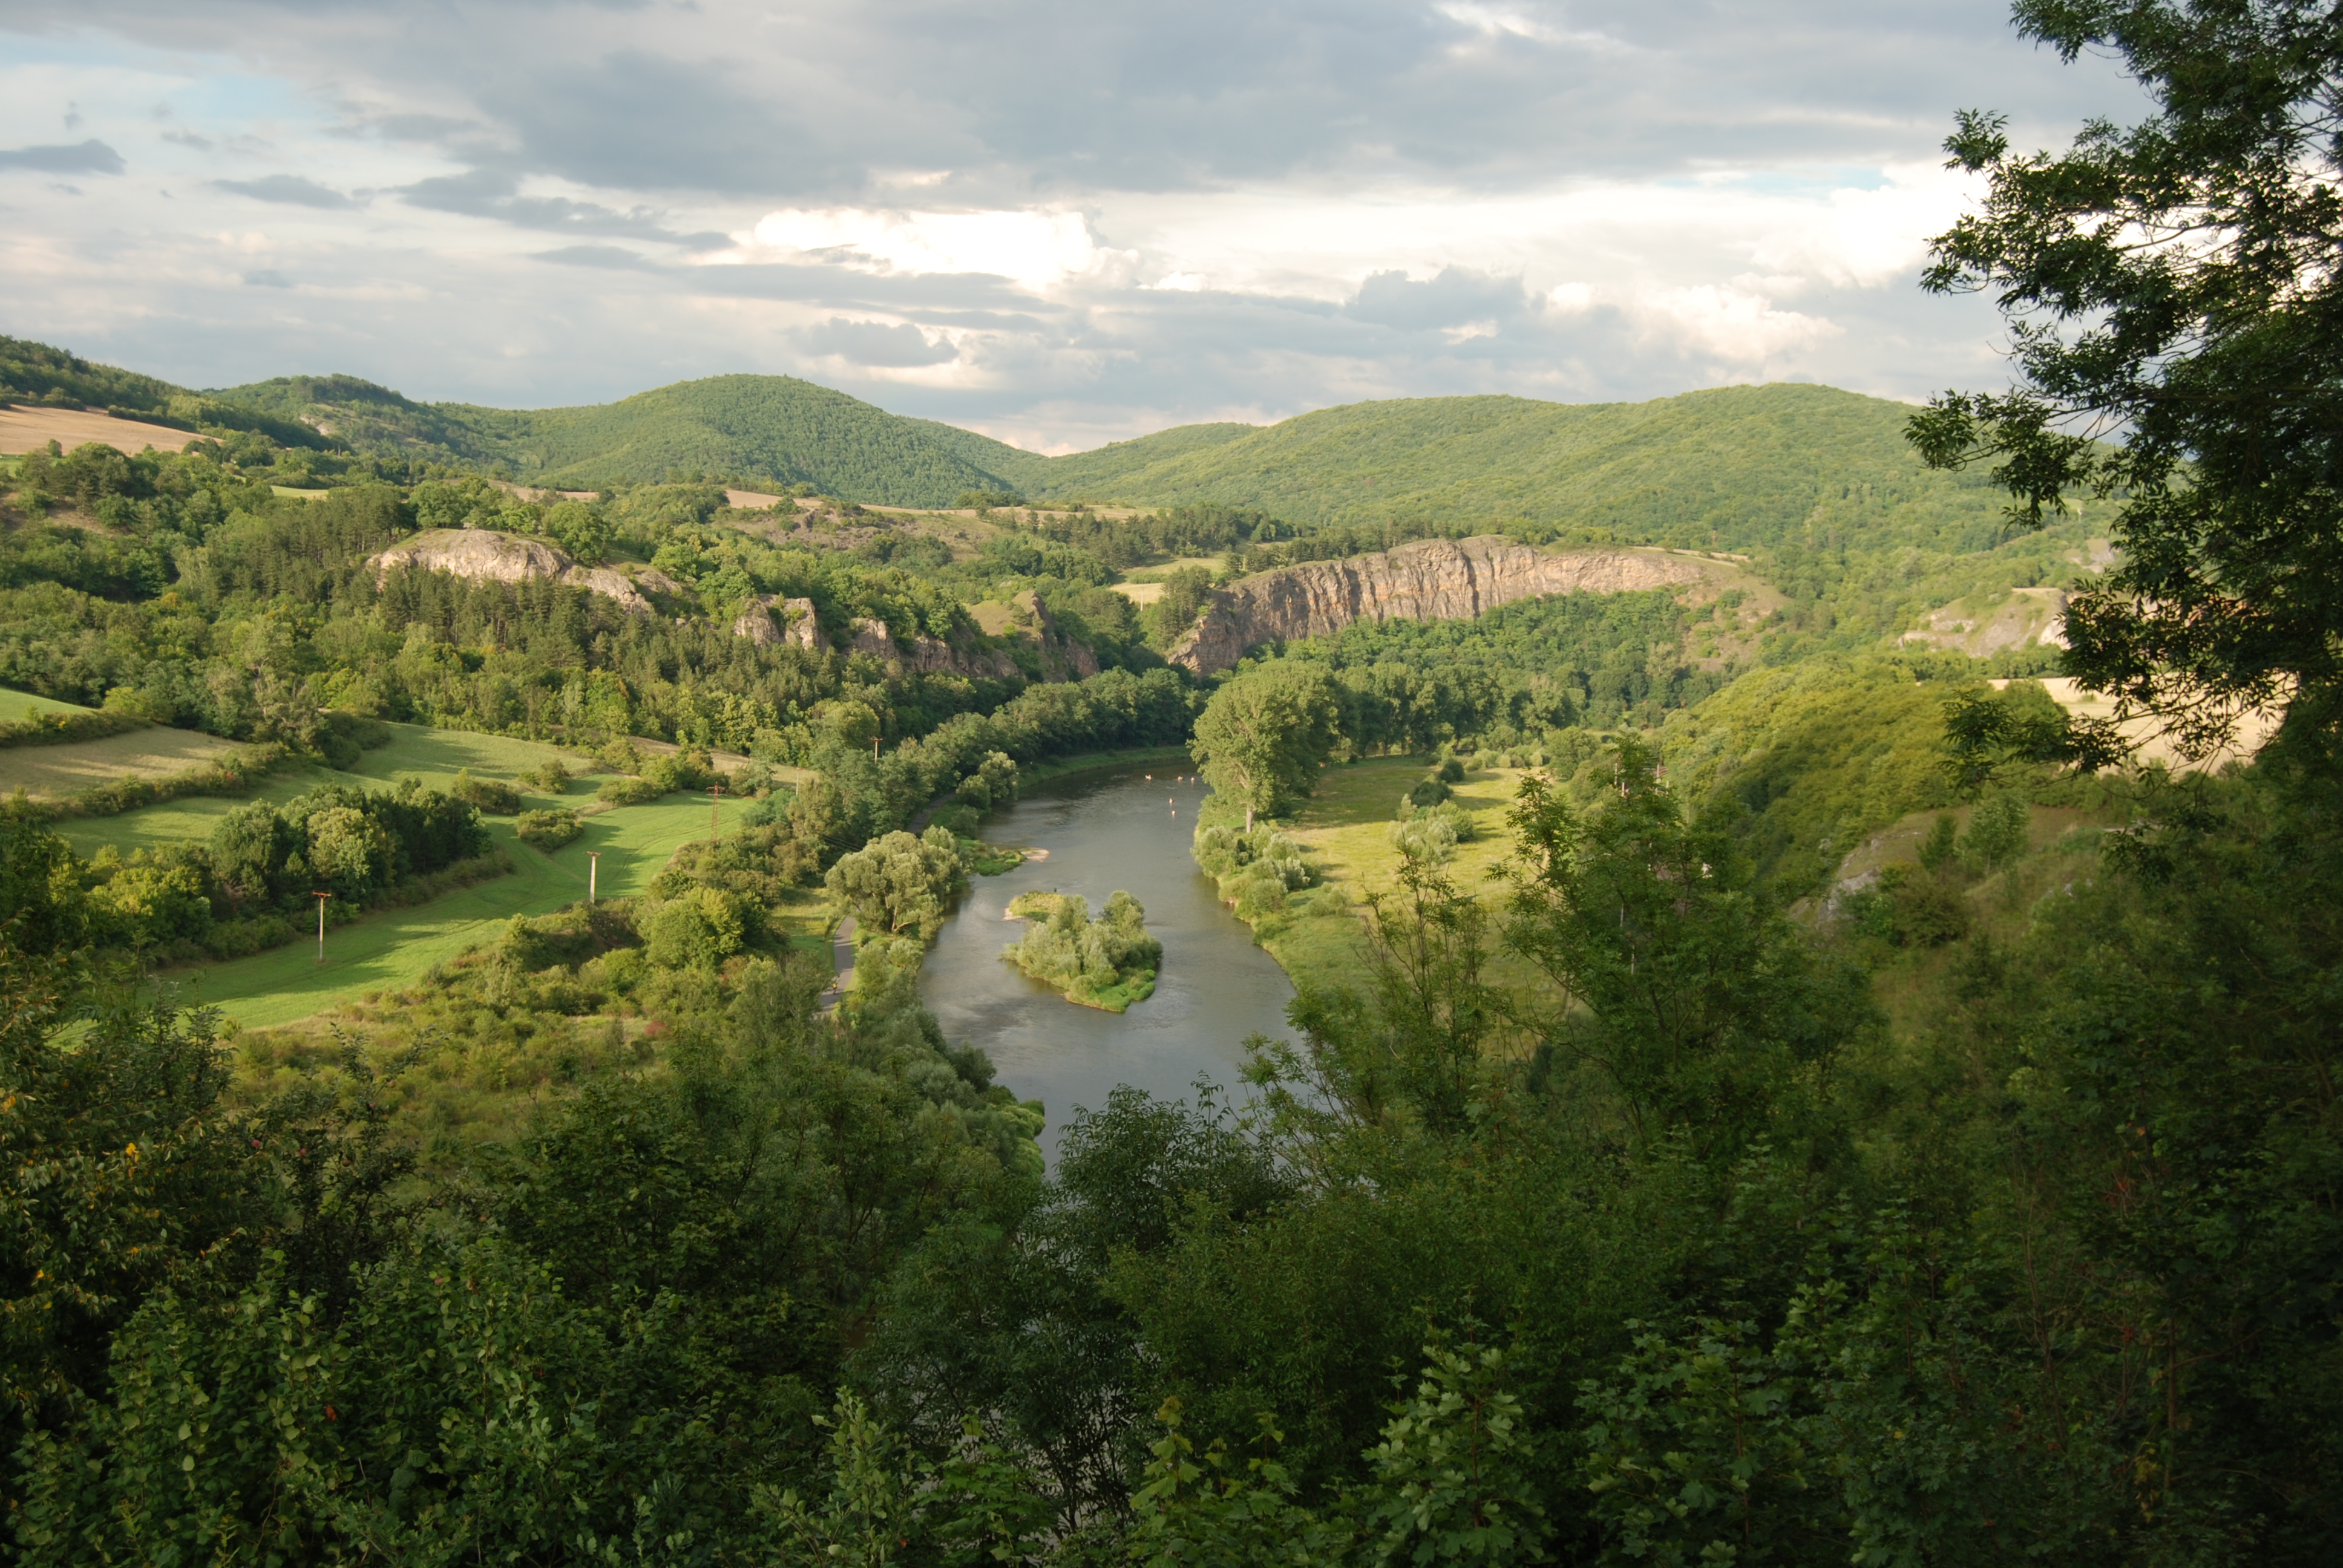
[{"x": 1105, "y": 832}]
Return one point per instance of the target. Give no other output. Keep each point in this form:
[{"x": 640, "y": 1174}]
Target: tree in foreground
[{"x": 2173, "y": 298}]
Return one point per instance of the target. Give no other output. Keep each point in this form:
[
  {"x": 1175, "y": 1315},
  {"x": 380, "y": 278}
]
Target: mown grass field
[
  {"x": 393, "y": 948},
  {"x": 15, "y": 704},
  {"x": 53, "y": 772},
  {"x": 1346, "y": 828}
]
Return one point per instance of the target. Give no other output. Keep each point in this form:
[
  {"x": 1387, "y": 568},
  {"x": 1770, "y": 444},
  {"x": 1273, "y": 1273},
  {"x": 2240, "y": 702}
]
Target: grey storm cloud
[
  {"x": 90, "y": 157},
  {"x": 611, "y": 257},
  {"x": 496, "y": 194},
  {"x": 1453, "y": 298},
  {"x": 615, "y": 141},
  {"x": 291, "y": 190},
  {"x": 1027, "y": 96},
  {"x": 868, "y": 343}
]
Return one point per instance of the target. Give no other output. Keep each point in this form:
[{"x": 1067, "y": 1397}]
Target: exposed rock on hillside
[
  {"x": 930, "y": 655},
  {"x": 504, "y": 558},
  {"x": 1025, "y": 619},
  {"x": 770, "y": 619},
  {"x": 1435, "y": 579}
]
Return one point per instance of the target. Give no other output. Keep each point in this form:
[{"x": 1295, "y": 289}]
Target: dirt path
[{"x": 841, "y": 960}]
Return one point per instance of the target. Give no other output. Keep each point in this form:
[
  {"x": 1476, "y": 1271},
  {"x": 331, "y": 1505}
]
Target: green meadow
[
  {"x": 393, "y": 948},
  {"x": 15, "y": 704}
]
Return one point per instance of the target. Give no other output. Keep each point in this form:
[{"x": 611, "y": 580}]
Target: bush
[
  {"x": 492, "y": 795},
  {"x": 548, "y": 829},
  {"x": 1430, "y": 792},
  {"x": 626, "y": 790},
  {"x": 699, "y": 929},
  {"x": 549, "y": 778},
  {"x": 960, "y": 821}
]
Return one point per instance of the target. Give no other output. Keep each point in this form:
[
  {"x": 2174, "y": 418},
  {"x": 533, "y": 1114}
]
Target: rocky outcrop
[
  {"x": 769, "y": 618},
  {"x": 929, "y": 654},
  {"x": 1435, "y": 579},
  {"x": 505, "y": 558}
]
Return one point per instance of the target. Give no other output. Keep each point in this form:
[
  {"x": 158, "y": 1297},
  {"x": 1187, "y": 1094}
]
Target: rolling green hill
[
  {"x": 1741, "y": 468},
  {"x": 774, "y": 428},
  {"x": 1783, "y": 470}
]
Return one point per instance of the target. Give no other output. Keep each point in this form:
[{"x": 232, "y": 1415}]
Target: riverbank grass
[
  {"x": 1109, "y": 963},
  {"x": 1319, "y": 935}
]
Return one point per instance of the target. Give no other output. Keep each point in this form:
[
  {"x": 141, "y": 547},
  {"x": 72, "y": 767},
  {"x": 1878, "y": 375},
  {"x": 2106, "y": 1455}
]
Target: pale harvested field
[
  {"x": 58, "y": 770},
  {"x": 31, "y": 429},
  {"x": 2252, "y": 729},
  {"x": 1140, "y": 593}
]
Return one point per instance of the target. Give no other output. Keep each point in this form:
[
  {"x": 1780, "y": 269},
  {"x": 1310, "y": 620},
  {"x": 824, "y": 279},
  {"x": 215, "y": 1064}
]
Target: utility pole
[
  {"x": 715, "y": 797},
  {"x": 321, "y": 899},
  {"x": 593, "y": 864}
]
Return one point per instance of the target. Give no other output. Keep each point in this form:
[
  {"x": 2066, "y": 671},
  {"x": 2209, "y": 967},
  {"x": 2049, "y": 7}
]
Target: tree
[
  {"x": 1264, "y": 735},
  {"x": 2178, "y": 322},
  {"x": 901, "y": 884},
  {"x": 1693, "y": 998}
]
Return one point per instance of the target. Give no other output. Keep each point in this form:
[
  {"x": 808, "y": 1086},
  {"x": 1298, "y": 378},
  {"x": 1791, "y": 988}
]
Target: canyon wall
[{"x": 1433, "y": 579}]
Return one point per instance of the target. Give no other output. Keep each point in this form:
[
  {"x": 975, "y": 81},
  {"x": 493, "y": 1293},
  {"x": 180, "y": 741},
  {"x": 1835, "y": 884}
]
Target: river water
[{"x": 1104, "y": 832}]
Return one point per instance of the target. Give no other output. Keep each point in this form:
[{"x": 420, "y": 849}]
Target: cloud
[
  {"x": 1034, "y": 249},
  {"x": 291, "y": 190},
  {"x": 1064, "y": 225},
  {"x": 1453, "y": 297},
  {"x": 90, "y": 157},
  {"x": 901, "y": 345},
  {"x": 608, "y": 256}
]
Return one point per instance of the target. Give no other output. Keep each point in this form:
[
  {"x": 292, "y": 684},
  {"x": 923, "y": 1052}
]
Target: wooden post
[
  {"x": 593, "y": 864},
  {"x": 321, "y": 899},
  {"x": 715, "y": 797}
]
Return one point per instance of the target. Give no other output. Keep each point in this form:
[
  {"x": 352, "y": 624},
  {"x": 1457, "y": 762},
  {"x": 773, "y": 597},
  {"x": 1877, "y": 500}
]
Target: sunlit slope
[
  {"x": 1736, "y": 468},
  {"x": 775, "y": 429}
]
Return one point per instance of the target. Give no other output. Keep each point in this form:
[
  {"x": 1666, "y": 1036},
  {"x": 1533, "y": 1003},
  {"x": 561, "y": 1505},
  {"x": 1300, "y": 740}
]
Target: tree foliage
[{"x": 2173, "y": 300}]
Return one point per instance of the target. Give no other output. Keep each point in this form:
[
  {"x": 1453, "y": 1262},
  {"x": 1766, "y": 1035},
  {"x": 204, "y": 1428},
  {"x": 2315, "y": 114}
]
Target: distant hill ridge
[{"x": 1787, "y": 466}]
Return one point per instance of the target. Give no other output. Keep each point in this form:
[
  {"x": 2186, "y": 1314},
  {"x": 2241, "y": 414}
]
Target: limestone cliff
[
  {"x": 796, "y": 627},
  {"x": 505, "y": 558},
  {"x": 1434, "y": 579}
]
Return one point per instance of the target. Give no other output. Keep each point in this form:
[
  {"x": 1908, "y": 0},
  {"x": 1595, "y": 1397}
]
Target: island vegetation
[{"x": 1109, "y": 961}]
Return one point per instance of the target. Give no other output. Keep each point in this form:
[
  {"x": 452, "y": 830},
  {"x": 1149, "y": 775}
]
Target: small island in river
[{"x": 1109, "y": 963}]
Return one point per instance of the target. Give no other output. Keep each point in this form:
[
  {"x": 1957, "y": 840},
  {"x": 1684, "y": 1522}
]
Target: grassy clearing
[
  {"x": 394, "y": 947},
  {"x": 52, "y": 772},
  {"x": 17, "y": 705},
  {"x": 1346, "y": 826}
]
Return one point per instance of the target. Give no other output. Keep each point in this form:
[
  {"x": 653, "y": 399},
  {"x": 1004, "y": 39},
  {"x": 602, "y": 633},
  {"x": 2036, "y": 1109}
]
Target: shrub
[
  {"x": 548, "y": 829},
  {"x": 699, "y": 929},
  {"x": 629, "y": 790},
  {"x": 492, "y": 795},
  {"x": 549, "y": 778}
]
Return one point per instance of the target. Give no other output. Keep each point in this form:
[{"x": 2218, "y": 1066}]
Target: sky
[{"x": 1061, "y": 224}]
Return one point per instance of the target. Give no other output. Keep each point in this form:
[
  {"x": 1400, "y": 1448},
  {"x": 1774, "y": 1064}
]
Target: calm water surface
[{"x": 1105, "y": 832}]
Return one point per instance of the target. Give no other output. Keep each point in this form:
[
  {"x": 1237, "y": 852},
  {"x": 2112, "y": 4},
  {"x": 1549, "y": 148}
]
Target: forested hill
[
  {"x": 1791, "y": 473},
  {"x": 1740, "y": 468},
  {"x": 773, "y": 430}
]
